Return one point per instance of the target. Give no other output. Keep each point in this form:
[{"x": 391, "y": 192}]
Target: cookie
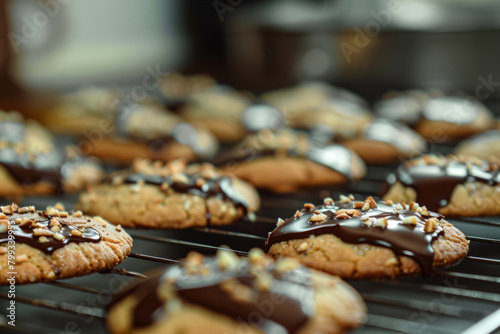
[
  {"x": 383, "y": 141},
  {"x": 31, "y": 164},
  {"x": 297, "y": 100},
  {"x": 438, "y": 118},
  {"x": 42, "y": 246},
  {"x": 220, "y": 109},
  {"x": 452, "y": 186},
  {"x": 172, "y": 195},
  {"x": 483, "y": 146},
  {"x": 82, "y": 110},
  {"x": 177, "y": 87},
  {"x": 227, "y": 294},
  {"x": 343, "y": 118},
  {"x": 286, "y": 160},
  {"x": 368, "y": 239},
  {"x": 147, "y": 130}
]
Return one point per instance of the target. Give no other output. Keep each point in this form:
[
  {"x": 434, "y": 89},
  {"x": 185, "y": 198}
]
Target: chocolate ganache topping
[
  {"x": 287, "y": 142},
  {"x": 407, "y": 230},
  {"x": 46, "y": 231},
  {"x": 434, "y": 178},
  {"x": 226, "y": 284},
  {"x": 200, "y": 180}
]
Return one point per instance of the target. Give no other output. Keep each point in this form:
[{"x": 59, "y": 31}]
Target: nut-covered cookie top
[
  {"x": 233, "y": 286},
  {"x": 45, "y": 230},
  {"x": 434, "y": 177},
  {"x": 202, "y": 180},
  {"x": 289, "y": 143},
  {"x": 406, "y": 229}
]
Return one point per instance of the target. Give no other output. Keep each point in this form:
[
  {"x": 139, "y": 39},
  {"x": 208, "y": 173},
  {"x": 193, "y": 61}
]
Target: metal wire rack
[{"x": 461, "y": 299}]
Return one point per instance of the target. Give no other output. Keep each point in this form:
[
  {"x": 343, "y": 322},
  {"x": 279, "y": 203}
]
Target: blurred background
[{"x": 369, "y": 46}]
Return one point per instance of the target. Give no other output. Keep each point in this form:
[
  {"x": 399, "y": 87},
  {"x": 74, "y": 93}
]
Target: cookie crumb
[{"x": 21, "y": 258}]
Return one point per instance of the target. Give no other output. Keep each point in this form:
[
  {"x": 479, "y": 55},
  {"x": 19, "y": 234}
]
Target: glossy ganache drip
[
  {"x": 434, "y": 182},
  {"x": 284, "y": 307},
  {"x": 334, "y": 156},
  {"x": 220, "y": 186},
  {"x": 410, "y": 240},
  {"x": 26, "y": 225}
]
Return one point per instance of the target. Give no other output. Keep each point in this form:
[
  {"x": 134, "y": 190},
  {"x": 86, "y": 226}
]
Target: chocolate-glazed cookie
[
  {"x": 46, "y": 245},
  {"x": 366, "y": 239},
  {"x": 384, "y": 141},
  {"x": 287, "y": 160},
  {"x": 147, "y": 130},
  {"x": 227, "y": 294},
  {"x": 30, "y": 162},
  {"x": 453, "y": 185},
  {"x": 172, "y": 195}
]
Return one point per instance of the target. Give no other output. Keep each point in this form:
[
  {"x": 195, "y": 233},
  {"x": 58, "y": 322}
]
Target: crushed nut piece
[
  {"x": 43, "y": 239},
  {"x": 371, "y": 202},
  {"x": 431, "y": 225},
  {"x": 302, "y": 247},
  {"x": 257, "y": 256},
  {"x": 345, "y": 199},
  {"x": 118, "y": 228},
  {"x": 365, "y": 207},
  {"x": 413, "y": 206},
  {"x": 309, "y": 206},
  {"x": 263, "y": 282},
  {"x": 59, "y": 236},
  {"x": 78, "y": 214},
  {"x": 42, "y": 232},
  {"x": 76, "y": 233},
  {"x": 367, "y": 222},
  {"x": 403, "y": 204},
  {"x": 298, "y": 214},
  {"x": 3, "y": 216},
  {"x": 59, "y": 206},
  {"x": 328, "y": 201},
  {"x": 391, "y": 262},
  {"x": 4, "y": 225},
  {"x": 23, "y": 209},
  {"x": 358, "y": 204},
  {"x": 423, "y": 211},
  {"x": 342, "y": 215},
  {"x": 389, "y": 202},
  {"x": 21, "y": 258},
  {"x": 381, "y": 222},
  {"x": 55, "y": 228},
  {"x": 226, "y": 259},
  {"x": 63, "y": 214},
  {"x": 318, "y": 217},
  {"x": 280, "y": 222},
  {"x": 51, "y": 212},
  {"x": 411, "y": 220}
]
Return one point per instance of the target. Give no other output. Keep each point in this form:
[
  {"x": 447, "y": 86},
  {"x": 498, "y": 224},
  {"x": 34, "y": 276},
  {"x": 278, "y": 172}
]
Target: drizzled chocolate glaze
[
  {"x": 402, "y": 239},
  {"x": 285, "y": 307},
  {"x": 215, "y": 187},
  {"x": 24, "y": 234},
  {"x": 434, "y": 184},
  {"x": 334, "y": 156}
]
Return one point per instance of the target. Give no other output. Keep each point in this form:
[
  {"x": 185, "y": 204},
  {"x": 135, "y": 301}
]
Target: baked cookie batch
[{"x": 166, "y": 170}]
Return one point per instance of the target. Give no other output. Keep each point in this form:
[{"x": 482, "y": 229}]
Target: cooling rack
[{"x": 460, "y": 299}]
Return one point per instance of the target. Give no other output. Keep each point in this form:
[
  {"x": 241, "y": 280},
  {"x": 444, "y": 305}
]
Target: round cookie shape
[
  {"x": 385, "y": 141},
  {"x": 483, "y": 146},
  {"x": 42, "y": 246},
  {"x": 147, "y": 130},
  {"x": 226, "y": 294},
  {"x": 468, "y": 186},
  {"x": 30, "y": 162},
  {"x": 286, "y": 160},
  {"x": 171, "y": 195},
  {"x": 368, "y": 239}
]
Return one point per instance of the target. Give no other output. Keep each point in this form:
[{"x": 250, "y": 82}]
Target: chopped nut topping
[
  {"x": 411, "y": 220},
  {"x": 413, "y": 206},
  {"x": 43, "y": 239},
  {"x": 367, "y": 222},
  {"x": 371, "y": 202},
  {"x": 101, "y": 220},
  {"x": 365, "y": 207},
  {"x": 345, "y": 199},
  {"x": 118, "y": 228},
  {"x": 358, "y": 204},
  {"x": 431, "y": 225},
  {"x": 391, "y": 262},
  {"x": 298, "y": 214},
  {"x": 227, "y": 259},
  {"x": 59, "y": 236},
  {"x": 328, "y": 201},
  {"x": 3, "y": 216},
  {"x": 423, "y": 211},
  {"x": 63, "y": 214},
  {"x": 257, "y": 256},
  {"x": 403, "y": 205},
  {"x": 280, "y": 222},
  {"x": 7, "y": 209},
  {"x": 51, "y": 212},
  {"x": 23, "y": 209},
  {"x": 55, "y": 221},
  {"x": 398, "y": 207},
  {"x": 42, "y": 232},
  {"x": 309, "y": 206},
  {"x": 59, "y": 206},
  {"x": 76, "y": 233},
  {"x": 317, "y": 212},
  {"x": 55, "y": 228},
  {"x": 78, "y": 214},
  {"x": 342, "y": 215},
  {"x": 4, "y": 225},
  {"x": 318, "y": 217},
  {"x": 389, "y": 202},
  {"x": 381, "y": 222},
  {"x": 31, "y": 208}
]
